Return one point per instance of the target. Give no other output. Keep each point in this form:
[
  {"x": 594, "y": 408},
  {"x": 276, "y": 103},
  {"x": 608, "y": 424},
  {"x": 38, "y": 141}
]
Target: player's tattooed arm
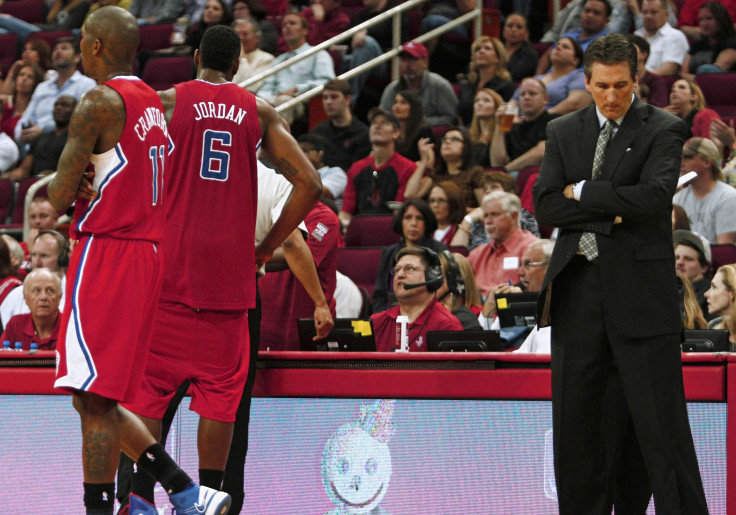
[
  {"x": 95, "y": 126},
  {"x": 283, "y": 151},
  {"x": 168, "y": 99}
]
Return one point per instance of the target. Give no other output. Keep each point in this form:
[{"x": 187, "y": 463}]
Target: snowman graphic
[{"x": 356, "y": 462}]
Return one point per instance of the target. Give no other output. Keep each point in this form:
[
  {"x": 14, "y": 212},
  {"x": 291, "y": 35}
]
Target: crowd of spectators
[{"x": 429, "y": 149}]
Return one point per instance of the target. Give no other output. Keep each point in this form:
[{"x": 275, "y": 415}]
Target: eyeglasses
[
  {"x": 409, "y": 269},
  {"x": 531, "y": 264},
  {"x": 438, "y": 201},
  {"x": 452, "y": 139}
]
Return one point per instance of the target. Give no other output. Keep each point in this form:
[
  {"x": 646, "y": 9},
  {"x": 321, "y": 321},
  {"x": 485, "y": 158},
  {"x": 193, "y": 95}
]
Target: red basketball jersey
[
  {"x": 129, "y": 177},
  {"x": 212, "y": 181}
]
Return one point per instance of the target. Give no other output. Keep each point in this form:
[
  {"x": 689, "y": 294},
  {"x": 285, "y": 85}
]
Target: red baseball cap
[{"x": 414, "y": 49}]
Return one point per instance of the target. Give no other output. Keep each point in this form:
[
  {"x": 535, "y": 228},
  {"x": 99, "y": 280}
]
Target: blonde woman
[
  {"x": 722, "y": 300},
  {"x": 487, "y": 70},
  {"x": 483, "y": 123}
]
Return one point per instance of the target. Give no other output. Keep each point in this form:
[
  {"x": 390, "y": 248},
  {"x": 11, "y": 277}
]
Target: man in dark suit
[{"x": 610, "y": 293}]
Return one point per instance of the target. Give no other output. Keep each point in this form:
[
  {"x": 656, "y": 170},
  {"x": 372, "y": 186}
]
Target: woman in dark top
[
  {"x": 216, "y": 12},
  {"x": 522, "y": 57},
  {"x": 456, "y": 164},
  {"x": 715, "y": 51},
  {"x": 483, "y": 124},
  {"x": 463, "y": 302},
  {"x": 487, "y": 70},
  {"x": 416, "y": 224},
  {"x": 407, "y": 108}
]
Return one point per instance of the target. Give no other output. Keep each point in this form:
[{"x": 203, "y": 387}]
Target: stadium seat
[
  {"x": 50, "y": 36},
  {"x": 20, "y": 197},
  {"x": 370, "y": 230},
  {"x": 7, "y": 188},
  {"x": 722, "y": 254},
  {"x": 541, "y": 47},
  {"x": 155, "y": 37},
  {"x": 718, "y": 89},
  {"x": 8, "y": 52},
  {"x": 360, "y": 264},
  {"x": 163, "y": 72},
  {"x": 669, "y": 80},
  {"x": 524, "y": 175},
  {"x": 26, "y": 10}
]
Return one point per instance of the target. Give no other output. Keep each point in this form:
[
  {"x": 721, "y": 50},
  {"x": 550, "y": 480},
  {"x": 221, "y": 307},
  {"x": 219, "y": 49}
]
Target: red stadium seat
[
  {"x": 163, "y": 72},
  {"x": 26, "y": 10},
  {"x": 669, "y": 80},
  {"x": 541, "y": 48},
  {"x": 155, "y": 37},
  {"x": 524, "y": 175},
  {"x": 371, "y": 230},
  {"x": 20, "y": 197},
  {"x": 6, "y": 199},
  {"x": 51, "y": 36},
  {"x": 722, "y": 254},
  {"x": 360, "y": 264},
  {"x": 8, "y": 52},
  {"x": 718, "y": 90}
]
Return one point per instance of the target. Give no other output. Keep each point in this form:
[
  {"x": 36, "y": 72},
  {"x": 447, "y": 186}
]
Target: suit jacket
[{"x": 638, "y": 178}]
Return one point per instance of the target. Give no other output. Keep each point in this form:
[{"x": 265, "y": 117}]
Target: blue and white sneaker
[
  {"x": 139, "y": 506},
  {"x": 200, "y": 500}
]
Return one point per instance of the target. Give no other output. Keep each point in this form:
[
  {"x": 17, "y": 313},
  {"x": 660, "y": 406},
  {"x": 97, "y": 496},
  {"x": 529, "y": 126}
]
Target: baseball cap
[
  {"x": 414, "y": 49},
  {"x": 376, "y": 111},
  {"x": 705, "y": 148},
  {"x": 692, "y": 240}
]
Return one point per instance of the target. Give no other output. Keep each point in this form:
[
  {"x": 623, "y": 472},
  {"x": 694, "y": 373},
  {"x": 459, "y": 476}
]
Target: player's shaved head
[{"x": 118, "y": 30}]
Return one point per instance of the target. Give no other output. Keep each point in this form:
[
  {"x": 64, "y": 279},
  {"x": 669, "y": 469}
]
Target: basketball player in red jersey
[
  {"x": 119, "y": 129},
  {"x": 201, "y": 328}
]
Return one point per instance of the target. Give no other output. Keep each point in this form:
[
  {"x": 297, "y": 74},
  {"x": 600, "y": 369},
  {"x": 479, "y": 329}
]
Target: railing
[
  {"x": 29, "y": 198},
  {"x": 395, "y": 14}
]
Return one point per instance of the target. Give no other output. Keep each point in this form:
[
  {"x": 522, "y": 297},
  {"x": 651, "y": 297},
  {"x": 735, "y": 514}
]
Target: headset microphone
[{"x": 416, "y": 285}]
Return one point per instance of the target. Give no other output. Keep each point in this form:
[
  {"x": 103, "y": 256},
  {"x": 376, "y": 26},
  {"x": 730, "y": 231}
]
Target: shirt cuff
[{"x": 577, "y": 190}]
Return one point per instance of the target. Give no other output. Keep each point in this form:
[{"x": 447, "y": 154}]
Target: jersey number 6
[{"x": 215, "y": 163}]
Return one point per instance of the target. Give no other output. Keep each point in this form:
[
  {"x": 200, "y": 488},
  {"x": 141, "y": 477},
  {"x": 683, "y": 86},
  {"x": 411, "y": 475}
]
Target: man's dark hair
[
  {"x": 320, "y": 143},
  {"x": 611, "y": 49},
  {"x": 220, "y": 48},
  {"x": 340, "y": 85},
  {"x": 607, "y": 5},
  {"x": 640, "y": 42},
  {"x": 69, "y": 39}
]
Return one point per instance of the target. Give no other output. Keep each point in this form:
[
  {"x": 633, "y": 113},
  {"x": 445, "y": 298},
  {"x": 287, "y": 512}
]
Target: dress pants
[{"x": 591, "y": 410}]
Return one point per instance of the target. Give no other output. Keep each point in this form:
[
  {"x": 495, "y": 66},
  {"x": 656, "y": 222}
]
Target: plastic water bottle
[
  {"x": 6, "y": 345},
  {"x": 402, "y": 332},
  {"x": 34, "y": 348},
  {"x": 19, "y": 346}
]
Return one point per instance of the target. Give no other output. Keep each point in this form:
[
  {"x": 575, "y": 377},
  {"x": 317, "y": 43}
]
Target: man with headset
[
  {"x": 417, "y": 276},
  {"x": 50, "y": 250}
]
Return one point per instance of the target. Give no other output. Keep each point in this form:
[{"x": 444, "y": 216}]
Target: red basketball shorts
[
  {"x": 208, "y": 347},
  {"x": 108, "y": 316}
]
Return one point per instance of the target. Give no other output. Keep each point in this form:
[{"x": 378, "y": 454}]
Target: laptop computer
[
  {"x": 706, "y": 340},
  {"x": 463, "y": 341},
  {"x": 348, "y": 335},
  {"x": 517, "y": 309}
]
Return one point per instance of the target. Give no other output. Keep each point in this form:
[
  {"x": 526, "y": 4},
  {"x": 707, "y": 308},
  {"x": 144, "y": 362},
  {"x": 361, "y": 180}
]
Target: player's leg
[
  {"x": 100, "y": 450},
  {"x": 211, "y": 438}
]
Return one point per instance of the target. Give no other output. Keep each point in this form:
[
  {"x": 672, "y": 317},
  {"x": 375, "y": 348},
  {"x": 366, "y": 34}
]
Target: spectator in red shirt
[
  {"x": 414, "y": 265},
  {"x": 42, "y": 292}
]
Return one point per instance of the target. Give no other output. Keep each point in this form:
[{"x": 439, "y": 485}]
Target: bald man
[{"x": 119, "y": 128}]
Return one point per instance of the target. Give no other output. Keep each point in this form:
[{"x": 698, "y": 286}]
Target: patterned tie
[{"x": 587, "y": 244}]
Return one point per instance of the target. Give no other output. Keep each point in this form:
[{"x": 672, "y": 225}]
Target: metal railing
[{"x": 395, "y": 14}]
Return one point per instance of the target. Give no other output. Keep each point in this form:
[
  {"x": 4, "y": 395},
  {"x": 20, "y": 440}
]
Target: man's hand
[
  {"x": 30, "y": 133},
  {"x": 289, "y": 92},
  {"x": 263, "y": 255},
  {"x": 722, "y": 135},
  {"x": 323, "y": 322},
  {"x": 568, "y": 191},
  {"x": 359, "y": 39},
  {"x": 318, "y": 11},
  {"x": 86, "y": 190}
]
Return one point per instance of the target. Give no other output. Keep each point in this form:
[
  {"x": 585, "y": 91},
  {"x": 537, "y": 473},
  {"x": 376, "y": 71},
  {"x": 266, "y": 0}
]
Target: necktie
[{"x": 588, "y": 245}]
